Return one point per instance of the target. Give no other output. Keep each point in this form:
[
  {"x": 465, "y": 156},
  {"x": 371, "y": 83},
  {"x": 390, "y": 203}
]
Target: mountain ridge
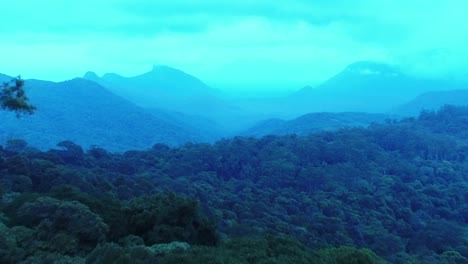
[
  {"x": 313, "y": 122},
  {"x": 88, "y": 114},
  {"x": 173, "y": 90},
  {"x": 363, "y": 87},
  {"x": 433, "y": 101}
]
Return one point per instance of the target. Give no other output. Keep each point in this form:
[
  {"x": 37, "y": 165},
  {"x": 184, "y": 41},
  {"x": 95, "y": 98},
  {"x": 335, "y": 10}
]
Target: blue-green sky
[{"x": 284, "y": 44}]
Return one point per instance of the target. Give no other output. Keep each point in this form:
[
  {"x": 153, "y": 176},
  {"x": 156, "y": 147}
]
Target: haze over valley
[{"x": 175, "y": 107}]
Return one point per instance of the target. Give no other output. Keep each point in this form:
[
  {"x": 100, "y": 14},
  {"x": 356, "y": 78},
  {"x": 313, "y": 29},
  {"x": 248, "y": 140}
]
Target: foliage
[
  {"x": 111, "y": 253},
  {"x": 348, "y": 255},
  {"x": 272, "y": 250},
  {"x": 398, "y": 189},
  {"x": 162, "y": 219},
  {"x": 13, "y": 97},
  {"x": 52, "y": 216}
]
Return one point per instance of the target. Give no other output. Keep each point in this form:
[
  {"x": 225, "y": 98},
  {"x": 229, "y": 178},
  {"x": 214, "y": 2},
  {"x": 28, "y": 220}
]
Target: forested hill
[
  {"x": 398, "y": 188},
  {"x": 433, "y": 101},
  {"x": 89, "y": 114},
  {"x": 313, "y": 123}
]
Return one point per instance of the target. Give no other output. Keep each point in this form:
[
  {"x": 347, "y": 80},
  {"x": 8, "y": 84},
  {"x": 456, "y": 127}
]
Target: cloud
[{"x": 226, "y": 42}]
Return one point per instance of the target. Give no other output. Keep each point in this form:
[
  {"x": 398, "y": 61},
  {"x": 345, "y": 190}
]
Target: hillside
[
  {"x": 313, "y": 123},
  {"x": 87, "y": 114},
  {"x": 398, "y": 189},
  {"x": 159, "y": 85},
  {"x": 4, "y": 78},
  {"x": 433, "y": 101},
  {"x": 362, "y": 87},
  {"x": 173, "y": 90}
]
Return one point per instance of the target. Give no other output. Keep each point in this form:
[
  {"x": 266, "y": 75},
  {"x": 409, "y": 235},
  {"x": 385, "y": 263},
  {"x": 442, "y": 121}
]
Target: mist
[{"x": 231, "y": 45}]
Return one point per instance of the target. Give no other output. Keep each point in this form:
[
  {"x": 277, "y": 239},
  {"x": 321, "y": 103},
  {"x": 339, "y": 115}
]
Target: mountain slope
[
  {"x": 162, "y": 87},
  {"x": 312, "y": 123},
  {"x": 88, "y": 114},
  {"x": 432, "y": 101},
  {"x": 175, "y": 91},
  {"x": 363, "y": 87}
]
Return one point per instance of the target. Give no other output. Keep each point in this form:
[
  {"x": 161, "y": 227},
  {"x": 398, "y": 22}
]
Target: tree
[
  {"x": 71, "y": 153},
  {"x": 52, "y": 216},
  {"x": 13, "y": 97}
]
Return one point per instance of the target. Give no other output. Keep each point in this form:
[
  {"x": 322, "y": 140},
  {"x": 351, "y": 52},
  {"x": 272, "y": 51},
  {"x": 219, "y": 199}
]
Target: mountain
[
  {"x": 362, "y": 87},
  {"x": 432, "y": 101},
  {"x": 4, "y": 78},
  {"x": 163, "y": 87},
  {"x": 176, "y": 91},
  {"x": 88, "y": 114},
  {"x": 160, "y": 84},
  {"x": 312, "y": 123},
  {"x": 210, "y": 129}
]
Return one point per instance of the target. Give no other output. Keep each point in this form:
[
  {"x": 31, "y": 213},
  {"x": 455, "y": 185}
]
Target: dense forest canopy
[{"x": 398, "y": 189}]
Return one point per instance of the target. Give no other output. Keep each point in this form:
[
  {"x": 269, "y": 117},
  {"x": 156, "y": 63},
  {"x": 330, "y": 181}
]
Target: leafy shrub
[
  {"x": 9, "y": 250},
  {"x": 111, "y": 253},
  {"x": 54, "y": 258},
  {"x": 348, "y": 255},
  {"x": 52, "y": 216},
  {"x": 108, "y": 207},
  {"x": 163, "y": 219},
  {"x": 261, "y": 250}
]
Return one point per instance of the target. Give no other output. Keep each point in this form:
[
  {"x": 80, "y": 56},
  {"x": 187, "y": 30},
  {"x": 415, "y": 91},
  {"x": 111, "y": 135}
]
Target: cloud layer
[{"x": 233, "y": 44}]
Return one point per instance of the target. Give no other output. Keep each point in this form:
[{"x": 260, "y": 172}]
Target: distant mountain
[
  {"x": 163, "y": 87},
  {"x": 312, "y": 123},
  {"x": 88, "y": 114},
  {"x": 362, "y": 87},
  {"x": 210, "y": 129},
  {"x": 433, "y": 101},
  {"x": 173, "y": 90},
  {"x": 160, "y": 83},
  {"x": 4, "y": 78}
]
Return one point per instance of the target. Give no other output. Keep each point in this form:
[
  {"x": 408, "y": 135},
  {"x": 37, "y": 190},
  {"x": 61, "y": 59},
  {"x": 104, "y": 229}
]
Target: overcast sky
[{"x": 283, "y": 44}]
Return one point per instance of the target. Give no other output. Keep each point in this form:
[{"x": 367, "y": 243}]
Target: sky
[{"x": 234, "y": 45}]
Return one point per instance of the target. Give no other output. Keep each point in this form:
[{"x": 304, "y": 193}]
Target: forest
[{"x": 394, "y": 192}]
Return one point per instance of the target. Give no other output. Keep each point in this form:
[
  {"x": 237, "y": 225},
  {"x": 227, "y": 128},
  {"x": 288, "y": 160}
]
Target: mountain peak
[
  {"x": 110, "y": 76},
  {"x": 90, "y": 75},
  {"x": 163, "y": 69},
  {"x": 160, "y": 67},
  {"x": 372, "y": 68}
]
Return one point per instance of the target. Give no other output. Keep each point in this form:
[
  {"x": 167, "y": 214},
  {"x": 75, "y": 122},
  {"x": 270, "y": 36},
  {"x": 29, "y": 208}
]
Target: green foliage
[
  {"x": 131, "y": 240},
  {"x": 15, "y": 146},
  {"x": 162, "y": 219},
  {"x": 271, "y": 249},
  {"x": 47, "y": 258},
  {"x": 70, "y": 153},
  {"x": 13, "y": 97},
  {"x": 21, "y": 183},
  {"x": 108, "y": 207},
  {"x": 348, "y": 255},
  {"x": 454, "y": 257},
  {"x": 439, "y": 236},
  {"x": 9, "y": 251},
  {"x": 163, "y": 249},
  {"x": 52, "y": 216},
  {"x": 111, "y": 253},
  {"x": 10, "y": 209},
  {"x": 398, "y": 189},
  {"x": 17, "y": 165},
  {"x": 262, "y": 250}
]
